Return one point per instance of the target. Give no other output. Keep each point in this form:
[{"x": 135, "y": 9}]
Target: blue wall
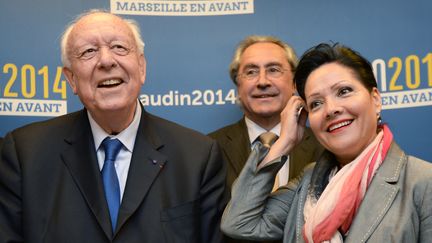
[{"x": 189, "y": 55}]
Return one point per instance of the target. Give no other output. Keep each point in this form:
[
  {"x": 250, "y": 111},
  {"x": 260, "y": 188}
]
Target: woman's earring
[{"x": 379, "y": 118}]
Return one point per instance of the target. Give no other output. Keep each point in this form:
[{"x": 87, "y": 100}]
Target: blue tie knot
[{"x": 112, "y": 148}]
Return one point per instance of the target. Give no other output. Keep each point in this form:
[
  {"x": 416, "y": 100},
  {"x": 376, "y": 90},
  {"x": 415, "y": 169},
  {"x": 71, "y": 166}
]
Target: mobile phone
[{"x": 299, "y": 111}]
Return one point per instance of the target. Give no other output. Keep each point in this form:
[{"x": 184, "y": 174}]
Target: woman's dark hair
[{"x": 325, "y": 53}]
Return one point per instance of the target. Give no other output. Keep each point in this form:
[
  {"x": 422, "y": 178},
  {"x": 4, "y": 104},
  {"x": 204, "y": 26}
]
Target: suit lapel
[
  {"x": 379, "y": 196},
  {"x": 238, "y": 146},
  {"x": 146, "y": 164},
  {"x": 80, "y": 159}
]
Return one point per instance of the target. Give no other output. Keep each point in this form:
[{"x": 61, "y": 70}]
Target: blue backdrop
[{"x": 189, "y": 45}]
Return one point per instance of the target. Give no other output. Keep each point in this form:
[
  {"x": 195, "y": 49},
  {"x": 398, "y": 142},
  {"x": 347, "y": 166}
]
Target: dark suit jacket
[
  {"x": 51, "y": 189},
  {"x": 235, "y": 145}
]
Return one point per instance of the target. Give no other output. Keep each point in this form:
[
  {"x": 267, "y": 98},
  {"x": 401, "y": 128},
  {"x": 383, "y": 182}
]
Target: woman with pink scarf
[{"x": 364, "y": 188}]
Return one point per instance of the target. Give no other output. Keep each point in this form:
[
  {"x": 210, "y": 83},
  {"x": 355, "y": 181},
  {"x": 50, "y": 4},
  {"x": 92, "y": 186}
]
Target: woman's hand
[{"x": 293, "y": 123}]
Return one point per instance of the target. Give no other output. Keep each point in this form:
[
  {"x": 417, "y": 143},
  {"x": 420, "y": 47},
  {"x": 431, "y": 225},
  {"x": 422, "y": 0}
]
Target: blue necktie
[{"x": 109, "y": 176}]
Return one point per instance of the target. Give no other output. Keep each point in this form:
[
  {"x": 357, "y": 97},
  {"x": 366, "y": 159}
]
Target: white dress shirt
[
  {"x": 127, "y": 137},
  {"x": 254, "y": 131}
]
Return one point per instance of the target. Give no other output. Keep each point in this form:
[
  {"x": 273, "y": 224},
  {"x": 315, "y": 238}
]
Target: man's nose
[
  {"x": 106, "y": 58},
  {"x": 263, "y": 81}
]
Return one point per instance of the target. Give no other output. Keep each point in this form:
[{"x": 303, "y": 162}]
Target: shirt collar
[
  {"x": 254, "y": 130},
  {"x": 127, "y": 136}
]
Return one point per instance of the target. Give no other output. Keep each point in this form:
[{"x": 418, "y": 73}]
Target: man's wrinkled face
[
  {"x": 262, "y": 90},
  {"x": 107, "y": 71}
]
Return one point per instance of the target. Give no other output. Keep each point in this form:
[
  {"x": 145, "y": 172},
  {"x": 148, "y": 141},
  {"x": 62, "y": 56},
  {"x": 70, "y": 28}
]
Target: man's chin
[
  {"x": 268, "y": 113},
  {"x": 111, "y": 107}
]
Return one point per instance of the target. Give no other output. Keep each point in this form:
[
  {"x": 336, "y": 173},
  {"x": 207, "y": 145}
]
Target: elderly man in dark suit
[{"x": 111, "y": 172}]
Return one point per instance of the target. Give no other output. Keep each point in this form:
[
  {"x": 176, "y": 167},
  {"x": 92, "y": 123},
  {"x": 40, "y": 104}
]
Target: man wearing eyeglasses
[{"x": 262, "y": 70}]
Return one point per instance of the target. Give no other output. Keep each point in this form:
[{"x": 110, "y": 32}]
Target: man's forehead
[
  {"x": 267, "y": 61},
  {"x": 263, "y": 53},
  {"x": 96, "y": 23}
]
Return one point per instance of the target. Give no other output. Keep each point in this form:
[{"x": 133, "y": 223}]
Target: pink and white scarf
[{"x": 330, "y": 217}]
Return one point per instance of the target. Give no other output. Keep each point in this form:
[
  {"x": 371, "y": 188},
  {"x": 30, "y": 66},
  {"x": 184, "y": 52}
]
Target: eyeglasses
[{"x": 271, "y": 72}]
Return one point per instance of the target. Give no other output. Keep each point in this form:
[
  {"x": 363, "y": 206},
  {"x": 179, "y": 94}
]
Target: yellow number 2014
[
  {"x": 411, "y": 66},
  {"x": 28, "y": 81}
]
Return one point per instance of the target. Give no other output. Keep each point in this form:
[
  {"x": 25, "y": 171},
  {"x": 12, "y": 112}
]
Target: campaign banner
[{"x": 189, "y": 45}]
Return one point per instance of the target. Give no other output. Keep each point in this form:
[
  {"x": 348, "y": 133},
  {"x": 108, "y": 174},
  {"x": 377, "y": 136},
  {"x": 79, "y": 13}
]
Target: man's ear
[
  {"x": 143, "y": 68},
  {"x": 70, "y": 77}
]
